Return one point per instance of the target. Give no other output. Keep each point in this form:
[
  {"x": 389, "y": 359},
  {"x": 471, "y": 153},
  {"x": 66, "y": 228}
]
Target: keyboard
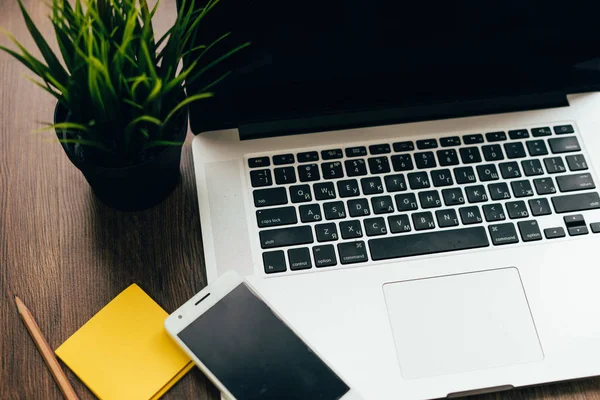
[{"x": 336, "y": 206}]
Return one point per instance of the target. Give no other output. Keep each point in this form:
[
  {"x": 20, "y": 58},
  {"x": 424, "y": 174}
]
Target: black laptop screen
[{"x": 315, "y": 57}]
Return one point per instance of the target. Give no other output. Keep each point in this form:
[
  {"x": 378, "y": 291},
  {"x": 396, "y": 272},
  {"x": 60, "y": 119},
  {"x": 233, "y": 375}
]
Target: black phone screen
[{"x": 255, "y": 355}]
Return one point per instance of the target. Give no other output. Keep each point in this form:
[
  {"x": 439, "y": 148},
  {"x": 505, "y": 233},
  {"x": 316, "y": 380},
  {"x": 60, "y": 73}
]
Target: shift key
[
  {"x": 285, "y": 237},
  {"x": 576, "y": 202}
]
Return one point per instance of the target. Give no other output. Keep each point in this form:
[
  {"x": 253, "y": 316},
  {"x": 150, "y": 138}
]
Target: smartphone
[{"x": 248, "y": 350}]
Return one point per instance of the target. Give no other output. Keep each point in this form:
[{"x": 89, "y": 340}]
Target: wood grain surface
[{"x": 67, "y": 255}]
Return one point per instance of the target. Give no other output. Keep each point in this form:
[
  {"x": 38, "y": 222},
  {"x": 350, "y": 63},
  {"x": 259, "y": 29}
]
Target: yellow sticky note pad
[{"x": 124, "y": 352}]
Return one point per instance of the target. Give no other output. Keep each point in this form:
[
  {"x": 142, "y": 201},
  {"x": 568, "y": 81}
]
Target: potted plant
[{"x": 121, "y": 114}]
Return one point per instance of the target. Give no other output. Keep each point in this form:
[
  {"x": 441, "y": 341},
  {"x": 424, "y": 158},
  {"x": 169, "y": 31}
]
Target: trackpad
[{"x": 460, "y": 323}]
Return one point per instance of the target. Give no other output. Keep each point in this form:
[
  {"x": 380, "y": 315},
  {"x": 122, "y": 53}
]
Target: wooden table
[{"x": 67, "y": 255}]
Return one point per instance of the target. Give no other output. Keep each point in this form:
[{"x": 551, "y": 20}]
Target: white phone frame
[{"x": 208, "y": 297}]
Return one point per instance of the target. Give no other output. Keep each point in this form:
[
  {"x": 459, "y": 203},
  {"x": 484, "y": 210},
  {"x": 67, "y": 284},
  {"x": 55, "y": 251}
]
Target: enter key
[{"x": 571, "y": 183}]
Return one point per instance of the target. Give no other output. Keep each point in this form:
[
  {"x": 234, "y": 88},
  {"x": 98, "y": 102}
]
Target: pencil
[{"x": 46, "y": 351}]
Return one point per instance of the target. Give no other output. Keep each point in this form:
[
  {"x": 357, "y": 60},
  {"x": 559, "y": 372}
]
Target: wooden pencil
[{"x": 46, "y": 351}]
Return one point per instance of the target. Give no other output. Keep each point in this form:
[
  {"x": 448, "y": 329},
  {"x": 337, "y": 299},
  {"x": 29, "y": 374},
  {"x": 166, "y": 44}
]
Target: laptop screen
[{"x": 314, "y": 58}]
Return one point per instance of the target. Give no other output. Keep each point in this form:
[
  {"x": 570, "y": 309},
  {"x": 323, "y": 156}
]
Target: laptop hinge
[{"x": 386, "y": 116}]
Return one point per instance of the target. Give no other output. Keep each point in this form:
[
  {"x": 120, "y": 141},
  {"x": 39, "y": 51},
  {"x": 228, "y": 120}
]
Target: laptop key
[
  {"x": 375, "y": 226},
  {"x": 276, "y": 216},
  {"x": 563, "y": 129},
  {"x": 334, "y": 210},
  {"x": 430, "y": 199},
  {"x": 464, "y": 175},
  {"x": 476, "y": 194},
  {"x": 510, "y": 170},
  {"x": 537, "y": 148},
  {"x": 425, "y": 160},
  {"x": 399, "y": 223},
  {"x": 376, "y": 149},
  {"x": 258, "y": 162},
  {"x": 371, "y": 185},
  {"x": 269, "y": 197},
  {"x": 423, "y": 220},
  {"x": 356, "y": 167},
  {"x": 395, "y": 183},
  {"x": 502, "y": 234},
  {"x": 285, "y": 175},
  {"x": 441, "y": 177},
  {"x": 521, "y": 188},
  {"x": 351, "y": 229},
  {"x": 453, "y": 197},
  {"x": 418, "y": 180},
  {"x": 324, "y": 191},
  {"x": 356, "y": 151},
  {"x": 403, "y": 146},
  {"x": 470, "y": 215},
  {"x": 446, "y": 218},
  {"x": 326, "y": 232},
  {"x": 576, "y": 162},
  {"x": 352, "y": 252},
  {"x": 308, "y": 172},
  {"x": 348, "y": 188},
  {"x": 379, "y": 165},
  {"x": 576, "y": 202},
  {"x": 554, "y": 165},
  {"x": 487, "y": 172},
  {"x": 518, "y": 134},
  {"x": 470, "y": 155},
  {"x": 282, "y": 237},
  {"x": 578, "y": 230},
  {"x": 595, "y": 227},
  {"x": 492, "y": 152},
  {"x": 310, "y": 213},
  {"x": 382, "y": 204},
  {"x": 499, "y": 191},
  {"x": 406, "y": 202},
  {"x": 537, "y": 132},
  {"x": 358, "y": 207},
  {"x": 332, "y": 154},
  {"x": 530, "y": 231},
  {"x": 427, "y": 243},
  {"x": 495, "y": 136},
  {"x": 493, "y": 212},
  {"x": 564, "y": 144},
  {"x": 274, "y": 261},
  {"x": 427, "y": 144},
  {"x": 299, "y": 259},
  {"x": 332, "y": 170},
  {"x": 282, "y": 159},
  {"x": 540, "y": 207},
  {"x": 571, "y": 183},
  {"x": 324, "y": 256},
  {"x": 450, "y": 141},
  {"x": 554, "y": 233},
  {"x": 447, "y": 157},
  {"x": 473, "y": 139},
  {"x": 308, "y": 156},
  {"x": 532, "y": 167},
  {"x": 300, "y": 193},
  {"x": 261, "y": 178},
  {"x": 517, "y": 209},
  {"x": 402, "y": 162},
  {"x": 514, "y": 150},
  {"x": 544, "y": 186}
]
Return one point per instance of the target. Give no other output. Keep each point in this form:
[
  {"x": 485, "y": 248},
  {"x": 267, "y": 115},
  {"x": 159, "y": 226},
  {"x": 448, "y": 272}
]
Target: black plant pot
[{"x": 135, "y": 187}]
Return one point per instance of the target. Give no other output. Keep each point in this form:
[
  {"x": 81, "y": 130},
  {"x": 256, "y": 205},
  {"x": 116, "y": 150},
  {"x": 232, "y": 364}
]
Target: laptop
[{"x": 414, "y": 186}]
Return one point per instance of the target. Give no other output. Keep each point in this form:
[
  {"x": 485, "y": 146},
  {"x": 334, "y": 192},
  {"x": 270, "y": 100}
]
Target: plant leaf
[
  {"x": 53, "y": 63},
  {"x": 184, "y": 103}
]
